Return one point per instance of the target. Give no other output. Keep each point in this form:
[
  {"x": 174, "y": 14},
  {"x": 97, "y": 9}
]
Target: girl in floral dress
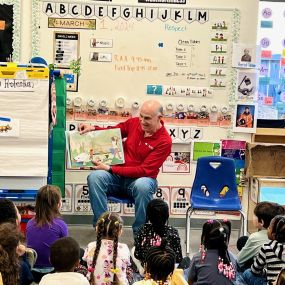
[{"x": 107, "y": 258}]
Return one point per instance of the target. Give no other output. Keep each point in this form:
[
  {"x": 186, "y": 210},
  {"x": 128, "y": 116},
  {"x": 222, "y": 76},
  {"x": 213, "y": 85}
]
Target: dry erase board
[{"x": 133, "y": 50}]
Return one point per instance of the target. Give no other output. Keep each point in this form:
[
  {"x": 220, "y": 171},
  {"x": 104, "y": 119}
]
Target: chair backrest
[{"x": 215, "y": 178}]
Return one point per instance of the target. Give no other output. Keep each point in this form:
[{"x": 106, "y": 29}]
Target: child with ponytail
[
  {"x": 271, "y": 257},
  {"x": 152, "y": 233},
  {"x": 214, "y": 264},
  {"x": 107, "y": 259}
]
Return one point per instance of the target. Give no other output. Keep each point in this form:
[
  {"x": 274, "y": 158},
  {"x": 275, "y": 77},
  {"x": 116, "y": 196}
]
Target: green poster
[{"x": 201, "y": 149}]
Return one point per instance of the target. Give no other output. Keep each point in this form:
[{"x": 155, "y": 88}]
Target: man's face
[
  {"x": 246, "y": 110},
  {"x": 246, "y": 51},
  {"x": 149, "y": 120}
]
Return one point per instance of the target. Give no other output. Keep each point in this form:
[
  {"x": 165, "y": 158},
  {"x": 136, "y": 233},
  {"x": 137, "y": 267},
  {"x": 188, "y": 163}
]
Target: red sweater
[{"x": 143, "y": 156}]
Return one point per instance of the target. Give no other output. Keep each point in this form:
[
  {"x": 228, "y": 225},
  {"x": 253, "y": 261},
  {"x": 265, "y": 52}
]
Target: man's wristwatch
[{"x": 110, "y": 170}]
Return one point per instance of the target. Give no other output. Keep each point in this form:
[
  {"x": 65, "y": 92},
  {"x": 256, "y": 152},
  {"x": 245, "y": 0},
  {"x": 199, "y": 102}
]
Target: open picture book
[{"x": 102, "y": 145}]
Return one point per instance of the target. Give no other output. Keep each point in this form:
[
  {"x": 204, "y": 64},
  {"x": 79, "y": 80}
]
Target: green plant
[{"x": 75, "y": 66}]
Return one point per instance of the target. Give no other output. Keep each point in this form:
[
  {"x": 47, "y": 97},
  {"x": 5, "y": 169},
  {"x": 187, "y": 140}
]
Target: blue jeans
[
  {"x": 252, "y": 279},
  {"x": 102, "y": 183}
]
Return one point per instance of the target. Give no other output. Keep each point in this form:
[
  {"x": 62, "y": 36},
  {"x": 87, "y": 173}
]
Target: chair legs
[
  {"x": 190, "y": 210},
  {"x": 188, "y": 229},
  {"x": 243, "y": 226}
]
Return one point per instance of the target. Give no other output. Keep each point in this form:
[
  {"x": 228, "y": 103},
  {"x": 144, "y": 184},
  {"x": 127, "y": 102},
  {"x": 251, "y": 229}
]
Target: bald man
[{"x": 146, "y": 147}]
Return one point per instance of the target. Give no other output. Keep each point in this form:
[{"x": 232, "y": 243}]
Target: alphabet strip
[{"x": 125, "y": 12}]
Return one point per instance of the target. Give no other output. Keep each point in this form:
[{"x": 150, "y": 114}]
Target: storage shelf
[{"x": 269, "y": 135}]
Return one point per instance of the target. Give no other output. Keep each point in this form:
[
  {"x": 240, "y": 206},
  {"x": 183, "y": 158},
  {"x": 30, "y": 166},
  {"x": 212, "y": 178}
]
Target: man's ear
[{"x": 261, "y": 222}]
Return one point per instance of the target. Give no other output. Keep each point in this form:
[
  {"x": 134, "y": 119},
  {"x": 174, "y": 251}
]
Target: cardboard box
[{"x": 265, "y": 160}]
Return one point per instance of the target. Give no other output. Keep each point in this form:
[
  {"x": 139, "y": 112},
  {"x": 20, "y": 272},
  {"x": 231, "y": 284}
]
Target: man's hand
[
  {"x": 98, "y": 165},
  {"x": 84, "y": 128}
]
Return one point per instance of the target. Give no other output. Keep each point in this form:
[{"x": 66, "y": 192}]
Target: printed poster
[
  {"x": 205, "y": 148},
  {"x": 177, "y": 162},
  {"x": 236, "y": 150},
  {"x": 66, "y": 48}
]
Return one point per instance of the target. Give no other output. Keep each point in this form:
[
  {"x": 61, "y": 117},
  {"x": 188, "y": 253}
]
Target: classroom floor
[{"x": 85, "y": 234}]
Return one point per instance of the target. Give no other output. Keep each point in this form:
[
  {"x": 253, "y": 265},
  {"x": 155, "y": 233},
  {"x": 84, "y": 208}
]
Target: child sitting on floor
[
  {"x": 271, "y": 257},
  {"x": 156, "y": 229},
  {"x": 107, "y": 258},
  {"x": 159, "y": 267},
  {"x": 264, "y": 212},
  {"x": 64, "y": 257},
  {"x": 45, "y": 228},
  {"x": 10, "y": 214},
  {"x": 214, "y": 264},
  {"x": 9, "y": 259}
]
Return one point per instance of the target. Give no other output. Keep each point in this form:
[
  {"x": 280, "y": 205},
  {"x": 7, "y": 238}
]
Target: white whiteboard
[{"x": 144, "y": 49}]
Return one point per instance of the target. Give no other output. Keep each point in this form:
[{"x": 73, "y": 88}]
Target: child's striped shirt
[{"x": 270, "y": 260}]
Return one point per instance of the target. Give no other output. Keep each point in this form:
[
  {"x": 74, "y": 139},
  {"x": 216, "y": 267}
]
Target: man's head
[
  {"x": 246, "y": 51},
  {"x": 150, "y": 115},
  {"x": 64, "y": 254}
]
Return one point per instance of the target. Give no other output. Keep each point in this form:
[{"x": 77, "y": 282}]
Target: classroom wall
[{"x": 248, "y": 26}]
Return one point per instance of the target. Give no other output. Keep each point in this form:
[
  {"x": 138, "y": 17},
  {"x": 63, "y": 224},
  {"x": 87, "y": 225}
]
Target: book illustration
[{"x": 104, "y": 146}]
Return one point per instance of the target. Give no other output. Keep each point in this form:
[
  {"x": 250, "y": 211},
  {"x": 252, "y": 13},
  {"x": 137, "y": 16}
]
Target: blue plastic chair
[{"x": 214, "y": 189}]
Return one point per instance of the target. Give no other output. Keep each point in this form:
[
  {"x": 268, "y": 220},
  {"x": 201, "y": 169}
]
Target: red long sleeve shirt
[{"x": 143, "y": 155}]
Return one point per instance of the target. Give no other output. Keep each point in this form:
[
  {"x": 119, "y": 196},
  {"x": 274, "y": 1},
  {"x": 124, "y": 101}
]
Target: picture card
[
  {"x": 9, "y": 127},
  {"x": 245, "y": 117},
  {"x": 100, "y": 57},
  {"x": 247, "y": 84},
  {"x": 177, "y": 162},
  {"x": 101, "y": 43},
  {"x": 246, "y": 56}
]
